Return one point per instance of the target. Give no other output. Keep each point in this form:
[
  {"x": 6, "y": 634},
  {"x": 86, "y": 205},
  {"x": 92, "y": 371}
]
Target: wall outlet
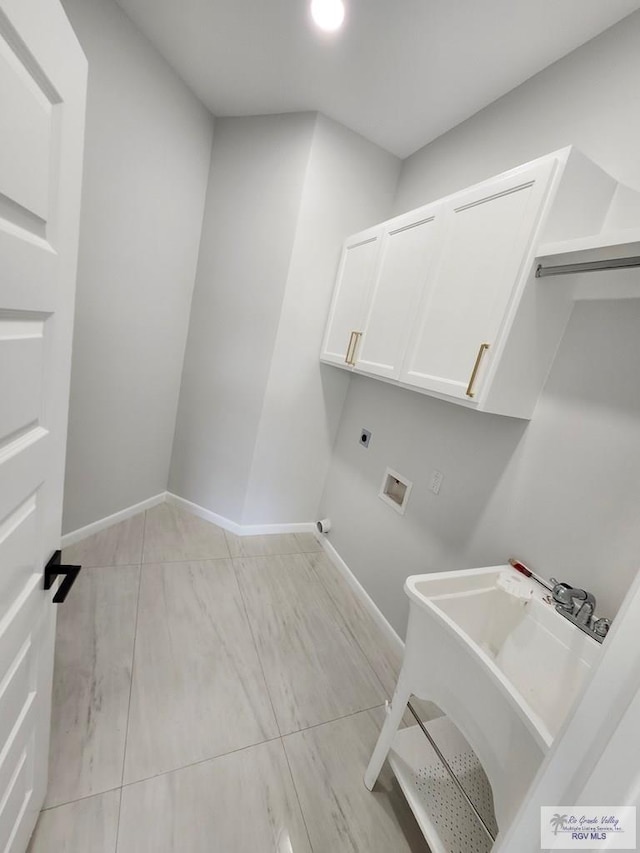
[
  {"x": 436, "y": 481},
  {"x": 365, "y": 437}
]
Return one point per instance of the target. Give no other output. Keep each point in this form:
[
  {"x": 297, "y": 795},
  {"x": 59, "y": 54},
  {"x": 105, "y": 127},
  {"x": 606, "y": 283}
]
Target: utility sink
[
  {"x": 506, "y": 622},
  {"x": 489, "y": 649}
]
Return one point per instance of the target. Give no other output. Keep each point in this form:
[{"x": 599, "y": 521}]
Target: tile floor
[{"x": 216, "y": 693}]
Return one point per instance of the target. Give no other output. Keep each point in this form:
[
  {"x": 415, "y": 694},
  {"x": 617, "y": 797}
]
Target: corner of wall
[
  {"x": 349, "y": 184},
  {"x": 254, "y": 194}
]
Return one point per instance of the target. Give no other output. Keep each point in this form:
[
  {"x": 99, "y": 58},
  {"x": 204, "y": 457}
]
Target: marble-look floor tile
[
  {"x": 171, "y": 535},
  {"x": 86, "y": 826},
  {"x": 328, "y": 764},
  {"x": 384, "y": 657},
  {"x": 118, "y": 545},
  {"x": 92, "y": 681},
  {"x": 315, "y": 671},
  {"x": 307, "y": 543},
  {"x": 239, "y": 803},
  {"x": 262, "y": 546},
  {"x": 198, "y": 689}
]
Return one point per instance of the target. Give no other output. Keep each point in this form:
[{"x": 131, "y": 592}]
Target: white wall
[
  {"x": 148, "y": 142},
  {"x": 590, "y": 99},
  {"x": 257, "y": 173},
  {"x": 257, "y": 416},
  {"x": 349, "y": 184},
  {"x": 562, "y": 493},
  {"x": 569, "y": 497},
  {"x": 412, "y": 434}
]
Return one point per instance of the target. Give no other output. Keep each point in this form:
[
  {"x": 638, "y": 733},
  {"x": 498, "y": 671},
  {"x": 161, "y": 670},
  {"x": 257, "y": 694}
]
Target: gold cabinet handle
[
  {"x": 483, "y": 348},
  {"x": 356, "y": 340},
  {"x": 350, "y": 357},
  {"x": 347, "y": 357}
]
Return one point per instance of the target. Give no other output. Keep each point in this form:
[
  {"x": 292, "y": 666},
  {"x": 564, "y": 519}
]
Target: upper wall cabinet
[
  {"x": 410, "y": 246},
  {"x": 488, "y": 232},
  {"x": 350, "y": 298},
  {"x": 444, "y": 299}
]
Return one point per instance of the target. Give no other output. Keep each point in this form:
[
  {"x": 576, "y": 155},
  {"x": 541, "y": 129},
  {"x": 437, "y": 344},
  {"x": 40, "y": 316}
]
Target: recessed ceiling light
[{"x": 328, "y": 14}]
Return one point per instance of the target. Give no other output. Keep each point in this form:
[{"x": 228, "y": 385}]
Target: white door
[
  {"x": 409, "y": 246},
  {"x": 486, "y": 235},
  {"x": 350, "y": 297},
  {"x": 42, "y": 95}
]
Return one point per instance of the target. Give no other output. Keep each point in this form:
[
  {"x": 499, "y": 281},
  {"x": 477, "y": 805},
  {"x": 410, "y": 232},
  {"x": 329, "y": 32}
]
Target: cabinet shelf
[
  {"x": 603, "y": 248},
  {"x": 446, "y": 820},
  {"x": 623, "y": 243}
]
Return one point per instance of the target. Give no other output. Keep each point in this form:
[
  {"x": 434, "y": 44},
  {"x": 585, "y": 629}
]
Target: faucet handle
[
  {"x": 601, "y": 627},
  {"x": 562, "y": 594}
]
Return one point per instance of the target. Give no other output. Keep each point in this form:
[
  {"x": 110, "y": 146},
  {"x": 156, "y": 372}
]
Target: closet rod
[{"x": 588, "y": 266}]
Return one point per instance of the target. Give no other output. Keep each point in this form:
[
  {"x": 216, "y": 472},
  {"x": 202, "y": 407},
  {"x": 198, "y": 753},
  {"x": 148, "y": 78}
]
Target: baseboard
[
  {"x": 102, "y": 523},
  {"x": 194, "y": 509},
  {"x": 243, "y": 530},
  {"x": 233, "y": 526},
  {"x": 362, "y": 594}
]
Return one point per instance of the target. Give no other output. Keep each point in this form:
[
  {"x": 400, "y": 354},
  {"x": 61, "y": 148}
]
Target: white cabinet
[
  {"x": 444, "y": 299},
  {"x": 350, "y": 298},
  {"x": 409, "y": 248},
  {"x": 488, "y": 232}
]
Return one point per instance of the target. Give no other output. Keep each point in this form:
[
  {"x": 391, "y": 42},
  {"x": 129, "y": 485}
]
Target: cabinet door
[
  {"x": 487, "y": 239},
  {"x": 409, "y": 245},
  {"x": 353, "y": 286}
]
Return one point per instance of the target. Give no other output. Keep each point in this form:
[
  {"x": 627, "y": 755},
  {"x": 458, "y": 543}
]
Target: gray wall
[
  {"x": 258, "y": 168},
  {"x": 349, "y": 185},
  {"x": 148, "y": 142},
  {"x": 591, "y": 98},
  {"x": 257, "y": 415},
  {"x": 563, "y": 492},
  {"x": 569, "y": 497}
]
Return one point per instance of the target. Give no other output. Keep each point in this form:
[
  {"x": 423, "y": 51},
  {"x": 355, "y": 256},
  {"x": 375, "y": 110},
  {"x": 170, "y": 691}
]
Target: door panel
[
  {"x": 25, "y": 142},
  {"x": 18, "y": 537},
  {"x": 486, "y": 234},
  {"x": 42, "y": 95},
  {"x": 17, "y": 779},
  {"x": 20, "y": 344},
  {"x": 26, "y": 669},
  {"x": 353, "y": 285},
  {"x": 409, "y": 245}
]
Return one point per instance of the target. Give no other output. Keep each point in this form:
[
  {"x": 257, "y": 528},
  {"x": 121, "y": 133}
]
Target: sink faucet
[
  {"x": 566, "y": 597},
  {"x": 578, "y": 606}
]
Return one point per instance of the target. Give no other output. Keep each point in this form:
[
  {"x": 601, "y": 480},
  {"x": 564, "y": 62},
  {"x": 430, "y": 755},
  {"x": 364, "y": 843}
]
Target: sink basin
[
  {"x": 490, "y": 650},
  {"x": 504, "y": 619}
]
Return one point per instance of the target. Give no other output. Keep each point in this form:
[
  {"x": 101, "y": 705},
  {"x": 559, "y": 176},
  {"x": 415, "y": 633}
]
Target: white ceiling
[{"x": 400, "y": 72}]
